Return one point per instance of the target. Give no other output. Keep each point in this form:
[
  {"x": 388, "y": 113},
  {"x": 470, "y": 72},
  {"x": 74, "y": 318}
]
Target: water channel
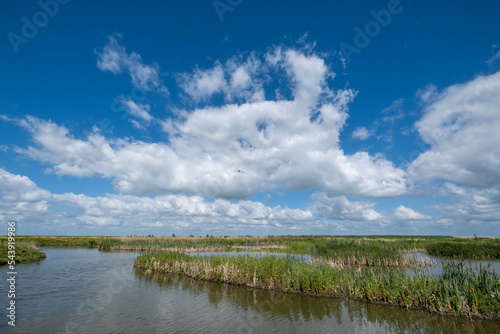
[{"x": 88, "y": 291}]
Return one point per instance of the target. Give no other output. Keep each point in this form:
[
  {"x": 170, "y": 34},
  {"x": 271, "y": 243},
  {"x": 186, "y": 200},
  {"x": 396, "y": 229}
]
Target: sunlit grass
[{"x": 25, "y": 251}]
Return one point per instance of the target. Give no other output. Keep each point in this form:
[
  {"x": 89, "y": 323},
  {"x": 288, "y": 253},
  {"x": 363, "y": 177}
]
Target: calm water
[
  {"x": 494, "y": 265},
  {"x": 87, "y": 291}
]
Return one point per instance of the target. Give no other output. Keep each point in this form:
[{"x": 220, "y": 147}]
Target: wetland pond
[
  {"x": 88, "y": 291},
  {"x": 437, "y": 270}
]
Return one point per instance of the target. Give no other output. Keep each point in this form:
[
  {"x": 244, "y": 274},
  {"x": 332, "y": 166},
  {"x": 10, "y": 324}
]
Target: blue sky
[{"x": 250, "y": 117}]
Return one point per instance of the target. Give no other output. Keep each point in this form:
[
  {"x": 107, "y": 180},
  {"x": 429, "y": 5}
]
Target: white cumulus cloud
[
  {"x": 461, "y": 126},
  {"x": 137, "y": 110},
  {"x": 114, "y": 58},
  {"x": 201, "y": 85},
  {"x": 22, "y": 200},
  {"x": 340, "y": 208},
  {"x": 361, "y": 133},
  {"x": 277, "y": 143},
  {"x": 404, "y": 213}
]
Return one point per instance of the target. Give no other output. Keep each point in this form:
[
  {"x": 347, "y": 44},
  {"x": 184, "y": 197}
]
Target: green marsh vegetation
[
  {"x": 60, "y": 241},
  {"x": 384, "y": 251},
  {"x": 197, "y": 244},
  {"x": 467, "y": 248},
  {"x": 26, "y": 251},
  {"x": 109, "y": 244},
  {"x": 286, "y": 244},
  {"x": 354, "y": 251},
  {"x": 460, "y": 290},
  {"x": 366, "y": 268}
]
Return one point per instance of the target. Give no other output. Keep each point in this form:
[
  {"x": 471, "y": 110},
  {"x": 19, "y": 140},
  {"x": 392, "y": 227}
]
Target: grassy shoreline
[
  {"x": 25, "y": 252},
  {"x": 59, "y": 241},
  {"x": 460, "y": 291}
]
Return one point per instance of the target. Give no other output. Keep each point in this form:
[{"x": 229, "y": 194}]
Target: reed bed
[
  {"x": 459, "y": 291},
  {"x": 165, "y": 244},
  {"x": 474, "y": 248},
  {"x": 194, "y": 244},
  {"x": 363, "y": 252},
  {"x": 404, "y": 262},
  {"x": 209, "y": 242},
  {"x": 369, "y": 252},
  {"x": 336, "y": 251}
]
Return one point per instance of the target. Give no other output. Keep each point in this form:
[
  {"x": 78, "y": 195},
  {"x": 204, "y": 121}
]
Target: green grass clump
[
  {"x": 460, "y": 290},
  {"x": 109, "y": 243},
  {"x": 360, "y": 252},
  {"x": 24, "y": 252}
]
